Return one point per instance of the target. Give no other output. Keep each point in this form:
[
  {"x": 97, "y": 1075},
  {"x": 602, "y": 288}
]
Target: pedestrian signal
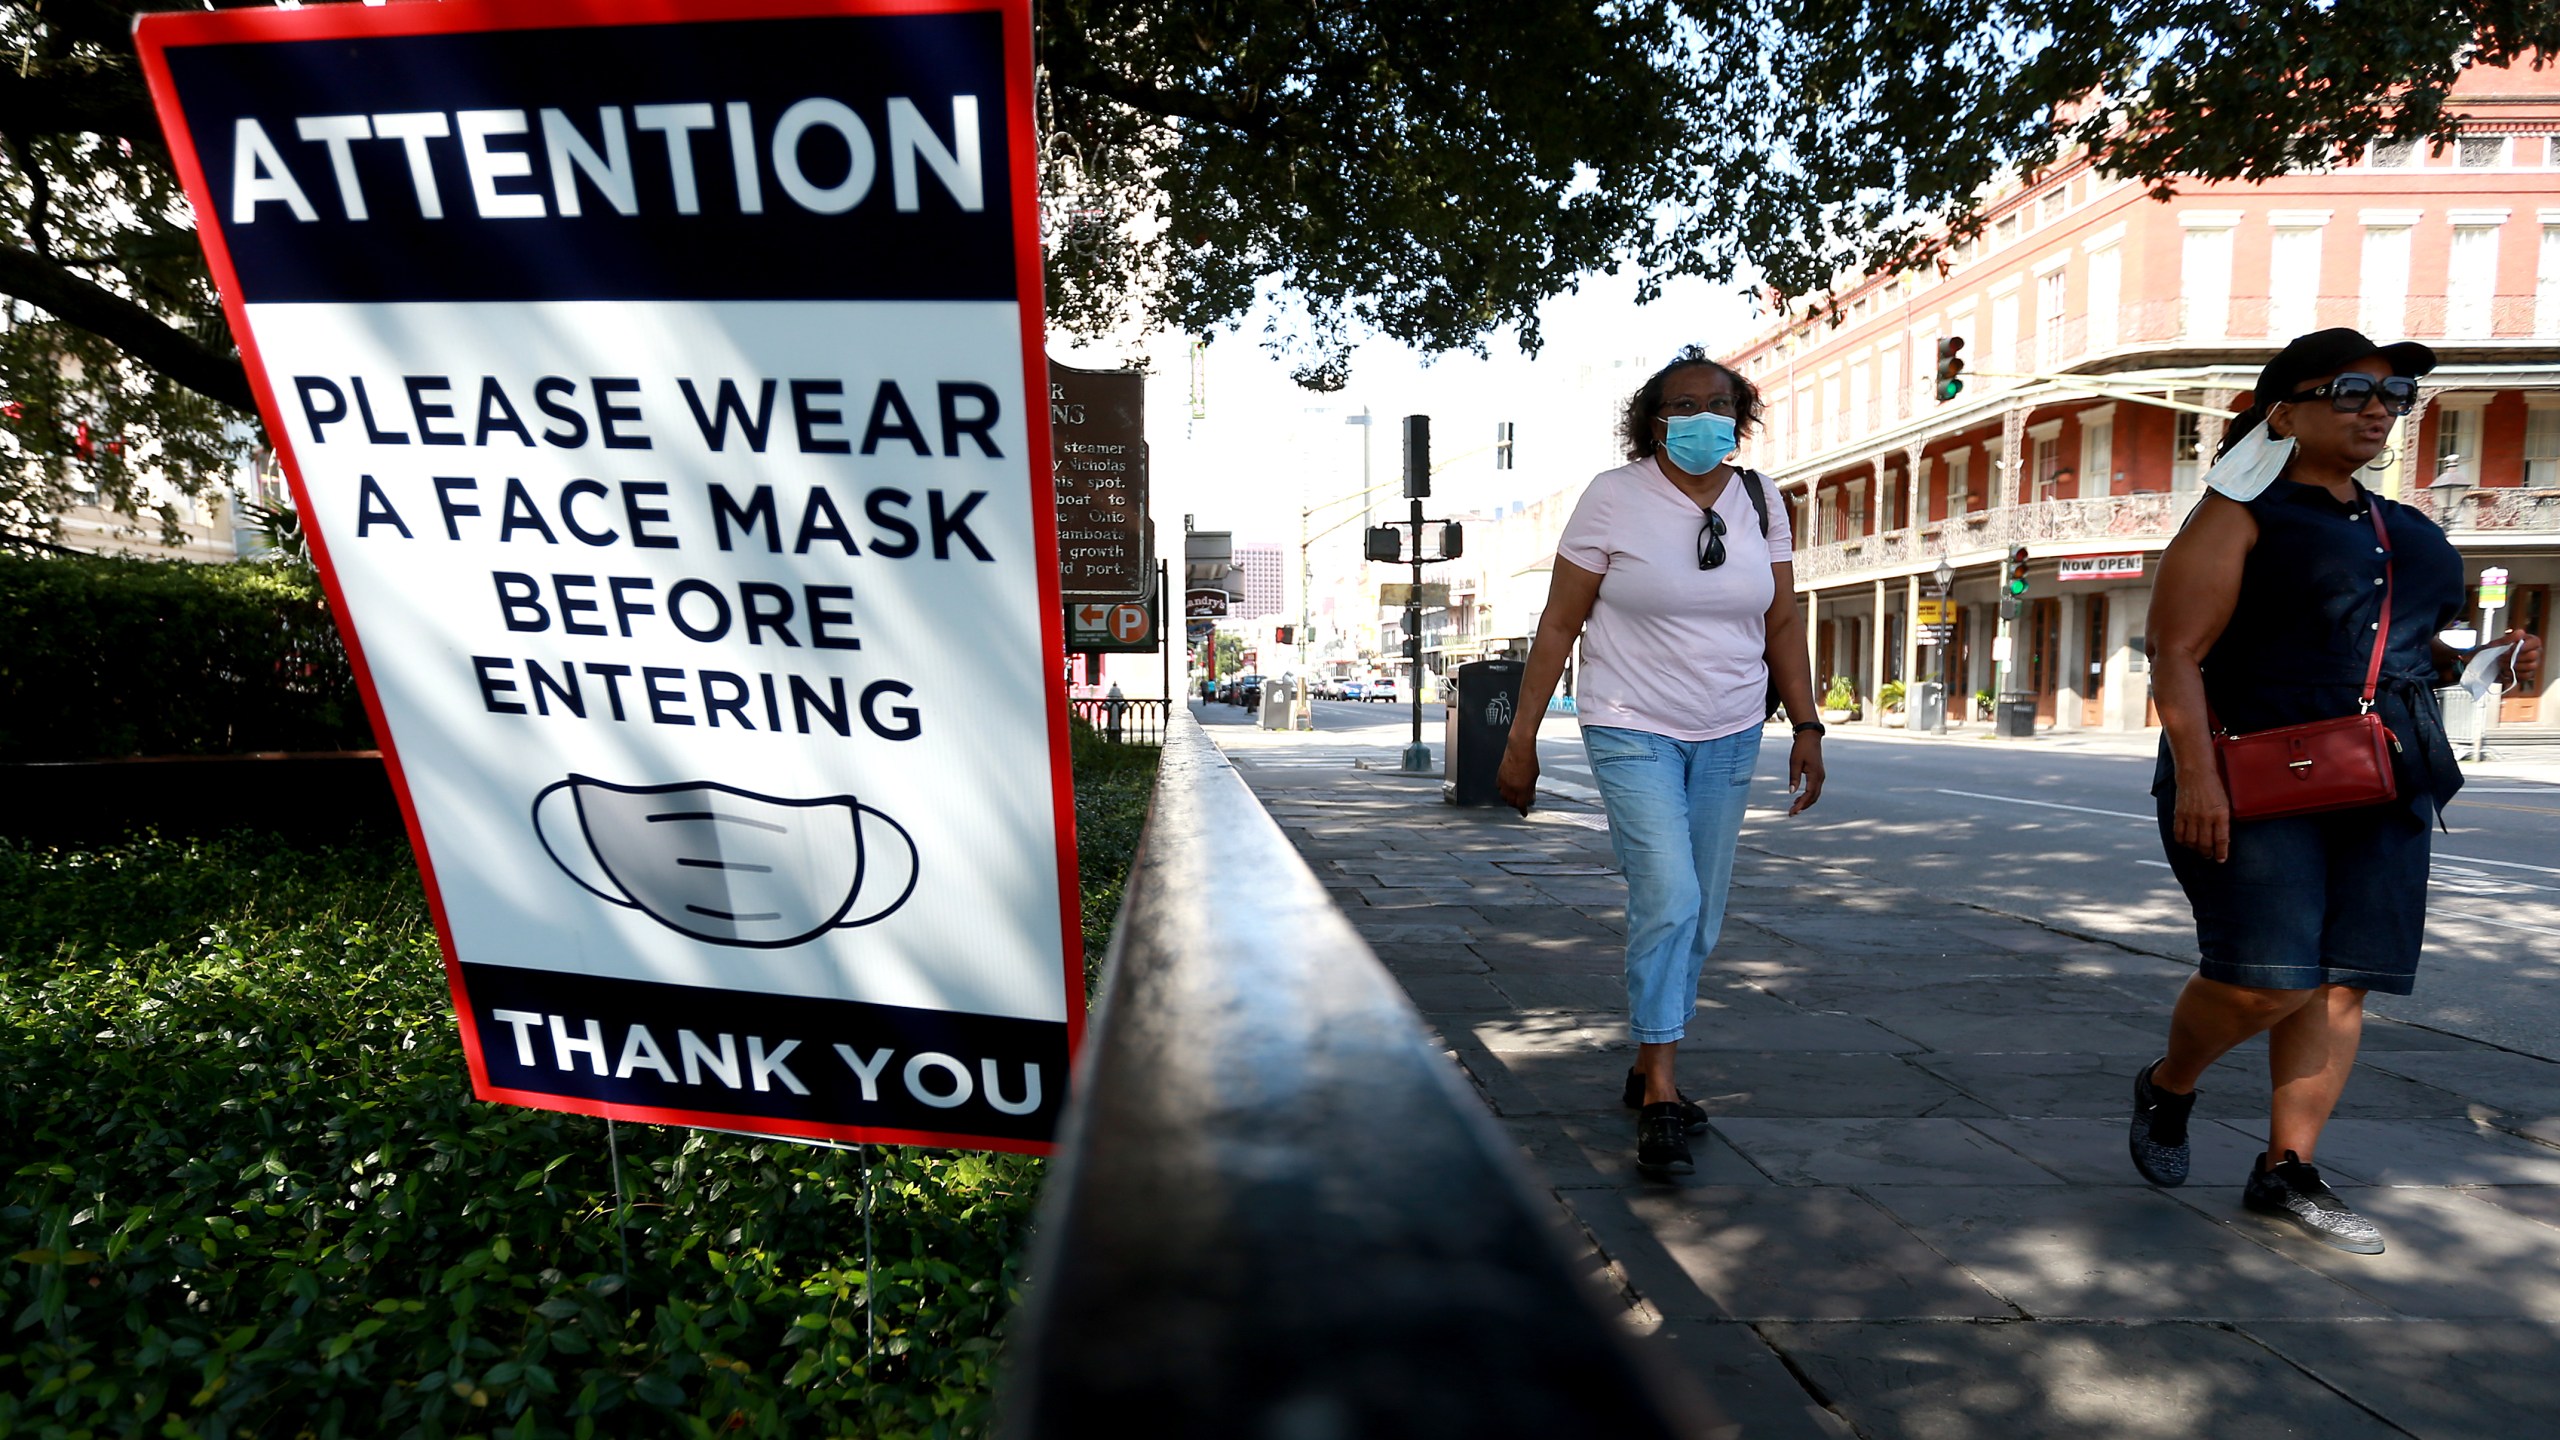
[
  {"x": 1284, "y": 634},
  {"x": 1950, "y": 368}
]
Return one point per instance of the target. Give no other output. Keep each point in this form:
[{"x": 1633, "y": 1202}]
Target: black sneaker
[
  {"x": 2291, "y": 1190},
  {"x": 1662, "y": 1141},
  {"x": 2159, "y": 1139},
  {"x": 1633, "y": 1098}
]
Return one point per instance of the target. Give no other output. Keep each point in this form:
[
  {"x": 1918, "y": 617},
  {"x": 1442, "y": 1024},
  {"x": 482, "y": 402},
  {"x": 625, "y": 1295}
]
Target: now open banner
[{"x": 662, "y": 390}]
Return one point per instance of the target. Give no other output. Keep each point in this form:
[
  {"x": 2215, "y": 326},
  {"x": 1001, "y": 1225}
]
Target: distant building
[
  {"x": 2110, "y": 335},
  {"x": 1263, "y": 573}
]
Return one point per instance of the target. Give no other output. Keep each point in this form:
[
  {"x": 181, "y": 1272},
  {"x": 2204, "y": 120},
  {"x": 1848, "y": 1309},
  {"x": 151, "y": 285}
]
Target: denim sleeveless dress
[{"x": 2336, "y": 898}]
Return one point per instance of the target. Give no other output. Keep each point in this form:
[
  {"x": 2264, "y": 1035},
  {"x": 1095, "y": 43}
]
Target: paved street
[{"x": 1916, "y": 1217}]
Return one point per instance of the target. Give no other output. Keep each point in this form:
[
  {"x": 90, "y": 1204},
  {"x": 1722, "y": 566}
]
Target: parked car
[{"x": 1382, "y": 688}]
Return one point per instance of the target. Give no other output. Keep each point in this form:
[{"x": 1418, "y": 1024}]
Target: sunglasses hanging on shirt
[{"x": 1711, "y": 542}]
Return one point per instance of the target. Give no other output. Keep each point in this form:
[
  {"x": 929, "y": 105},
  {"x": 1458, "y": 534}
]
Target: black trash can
[
  {"x": 1480, "y": 703},
  {"x": 2017, "y": 717}
]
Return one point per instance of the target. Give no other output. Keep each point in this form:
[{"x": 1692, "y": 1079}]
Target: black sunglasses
[
  {"x": 2350, "y": 393},
  {"x": 1711, "y": 542}
]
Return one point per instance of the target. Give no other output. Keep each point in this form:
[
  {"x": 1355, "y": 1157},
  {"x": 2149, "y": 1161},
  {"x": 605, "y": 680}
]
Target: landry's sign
[
  {"x": 662, "y": 392},
  {"x": 1205, "y": 604}
]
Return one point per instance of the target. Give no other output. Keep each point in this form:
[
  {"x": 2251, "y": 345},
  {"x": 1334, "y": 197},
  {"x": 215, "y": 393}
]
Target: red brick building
[{"x": 2107, "y": 334}]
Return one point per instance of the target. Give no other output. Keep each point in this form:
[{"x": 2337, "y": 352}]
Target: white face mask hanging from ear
[{"x": 2251, "y": 464}]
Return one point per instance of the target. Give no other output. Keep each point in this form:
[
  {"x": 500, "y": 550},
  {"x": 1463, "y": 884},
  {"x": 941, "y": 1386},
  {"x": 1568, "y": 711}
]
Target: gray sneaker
[
  {"x": 2160, "y": 1130},
  {"x": 2291, "y": 1190}
]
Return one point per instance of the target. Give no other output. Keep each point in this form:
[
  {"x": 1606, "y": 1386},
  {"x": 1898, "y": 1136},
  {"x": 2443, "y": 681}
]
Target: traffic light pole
[{"x": 1417, "y": 756}]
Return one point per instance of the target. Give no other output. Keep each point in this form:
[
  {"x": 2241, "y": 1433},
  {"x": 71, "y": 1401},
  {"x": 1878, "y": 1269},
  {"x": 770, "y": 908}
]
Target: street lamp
[
  {"x": 2445, "y": 492},
  {"x": 1945, "y": 576}
]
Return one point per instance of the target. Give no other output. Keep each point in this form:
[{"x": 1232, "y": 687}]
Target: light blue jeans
[{"x": 1675, "y": 810}]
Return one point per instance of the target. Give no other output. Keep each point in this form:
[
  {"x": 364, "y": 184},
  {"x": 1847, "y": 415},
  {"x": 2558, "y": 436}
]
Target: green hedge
[
  {"x": 129, "y": 657},
  {"x": 248, "y": 1193}
]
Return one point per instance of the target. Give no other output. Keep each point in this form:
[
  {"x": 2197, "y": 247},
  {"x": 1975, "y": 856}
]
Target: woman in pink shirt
[{"x": 1679, "y": 582}]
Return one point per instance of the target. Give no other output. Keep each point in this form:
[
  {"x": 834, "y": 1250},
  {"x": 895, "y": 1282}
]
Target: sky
[{"x": 1265, "y": 447}]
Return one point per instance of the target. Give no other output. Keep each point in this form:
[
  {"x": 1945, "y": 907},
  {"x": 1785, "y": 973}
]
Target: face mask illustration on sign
[{"x": 725, "y": 865}]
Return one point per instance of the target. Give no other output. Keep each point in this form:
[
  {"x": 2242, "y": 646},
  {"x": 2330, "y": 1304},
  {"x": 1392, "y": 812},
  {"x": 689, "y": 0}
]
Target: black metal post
[{"x": 1417, "y": 756}]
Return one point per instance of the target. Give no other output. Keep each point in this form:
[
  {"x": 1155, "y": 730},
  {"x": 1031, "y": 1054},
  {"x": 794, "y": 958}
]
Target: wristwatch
[{"x": 1814, "y": 726}]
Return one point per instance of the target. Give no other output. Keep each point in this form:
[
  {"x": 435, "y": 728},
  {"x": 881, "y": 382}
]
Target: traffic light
[
  {"x": 1453, "y": 541},
  {"x": 1417, "y": 457},
  {"x": 1384, "y": 543},
  {"x": 2018, "y": 571},
  {"x": 1950, "y": 368},
  {"x": 2013, "y": 584}
]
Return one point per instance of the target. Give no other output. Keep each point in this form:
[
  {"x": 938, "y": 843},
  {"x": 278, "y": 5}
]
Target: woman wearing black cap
[{"x": 2270, "y": 609}]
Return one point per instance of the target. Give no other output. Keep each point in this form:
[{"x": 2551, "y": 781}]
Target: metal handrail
[{"x": 1276, "y": 1208}]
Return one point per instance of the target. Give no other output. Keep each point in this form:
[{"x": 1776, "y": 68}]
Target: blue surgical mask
[{"x": 1698, "y": 443}]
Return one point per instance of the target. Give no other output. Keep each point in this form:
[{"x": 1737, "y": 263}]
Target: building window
[
  {"x": 1960, "y": 483},
  {"x": 2385, "y": 281},
  {"x": 2293, "y": 283},
  {"x": 2542, "y": 448},
  {"x": 2183, "y": 469},
  {"x": 2471, "y": 279},
  {"x": 2481, "y": 152},
  {"x": 1834, "y": 410},
  {"x": 2004, "y": 334},
  {"x": 2546, "y": 286},
  {"x": 2457, "y": 439},
  {"x": 2205, "y": 282},
  {"x": 2106, "y": 284},
  {"x": 2393, "y": 155},
  {"x": 1862, "y": 414},
  {"x": 2051, "y": 204},
  {"x": 2052, "y": 319},
  {"x": 2006, "y": 230},
  {"x": 2097, "y": 457},
  {"x": 2046, "y": 466}
]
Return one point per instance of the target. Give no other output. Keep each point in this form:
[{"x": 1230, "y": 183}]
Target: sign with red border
[{"x": 661, "y": 385}]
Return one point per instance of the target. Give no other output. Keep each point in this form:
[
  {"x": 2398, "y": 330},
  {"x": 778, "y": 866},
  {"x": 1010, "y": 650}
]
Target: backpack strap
[{"x": 1751, "y": 486}]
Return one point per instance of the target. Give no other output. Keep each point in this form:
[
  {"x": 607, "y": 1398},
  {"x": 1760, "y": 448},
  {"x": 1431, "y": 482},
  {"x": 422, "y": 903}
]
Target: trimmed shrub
[
  {"x": 249, "y": 1193},
  {"x": 102, "y": 658}
]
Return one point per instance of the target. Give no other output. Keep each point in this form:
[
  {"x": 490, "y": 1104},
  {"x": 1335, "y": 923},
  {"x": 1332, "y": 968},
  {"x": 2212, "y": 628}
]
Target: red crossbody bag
[{"x": 2327, "y": 764}]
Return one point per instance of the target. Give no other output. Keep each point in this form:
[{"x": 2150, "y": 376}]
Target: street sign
[
  {"x": 1398, "y": 595},
  {"x": 1098, "y": 449},
  {"x": 2100, "y": 567},
  {"x": 1197, "y": 631},
  {"x": 682, "y": 496},
  {"x": 1205, "y": 604},
  {"x": 1934, "y": 634},
  {"x": 1932, "y": 612},
  {"x": 2493, "y": 587},
  {"x": 1110, "y": 626}
]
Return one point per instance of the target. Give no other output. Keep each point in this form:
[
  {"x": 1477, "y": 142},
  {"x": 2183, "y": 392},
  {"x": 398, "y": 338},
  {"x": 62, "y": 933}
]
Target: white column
[
  {"x": 2013, "y": 459},
  {"x": 2209, "y": 428},
  {"x": 1875, "y": 661}
]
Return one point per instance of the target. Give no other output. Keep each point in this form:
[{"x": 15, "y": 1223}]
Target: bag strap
[
  {"x": 2382, "y": 628},
  {"x": 1759, "y": 499}
]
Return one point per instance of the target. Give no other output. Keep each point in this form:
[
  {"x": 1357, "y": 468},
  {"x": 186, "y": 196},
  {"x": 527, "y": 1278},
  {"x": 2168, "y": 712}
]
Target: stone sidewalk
[{"x": 1915, "y": 1216}]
